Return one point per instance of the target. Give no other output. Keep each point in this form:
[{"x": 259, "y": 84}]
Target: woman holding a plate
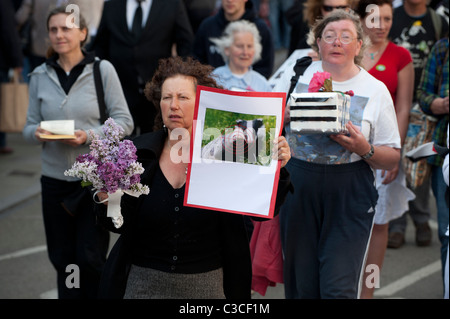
[{"x": 63, "y": 88}]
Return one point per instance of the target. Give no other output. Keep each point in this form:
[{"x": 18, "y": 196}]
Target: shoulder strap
[
  {"x": 100, "y": 93},
  {"x": 437, "y": 23},
  {"x": 300, "y": 66}
]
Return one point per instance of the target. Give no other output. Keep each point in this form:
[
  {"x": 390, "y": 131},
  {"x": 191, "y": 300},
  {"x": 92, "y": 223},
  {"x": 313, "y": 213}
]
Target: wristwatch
[{"x": 369, "y": 154}]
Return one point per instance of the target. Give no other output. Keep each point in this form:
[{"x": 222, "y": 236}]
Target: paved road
[{"x": 26, "y": 273}]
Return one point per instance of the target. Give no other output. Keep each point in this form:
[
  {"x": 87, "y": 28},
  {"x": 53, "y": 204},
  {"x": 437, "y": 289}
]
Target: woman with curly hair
[{"x": 168, "y": 250}]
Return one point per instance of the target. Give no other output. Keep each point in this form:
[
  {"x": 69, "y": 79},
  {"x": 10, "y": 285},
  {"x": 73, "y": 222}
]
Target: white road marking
[
  {"x": 51, "y": 294},
  {"x": 24, "y": 252},
  {"x": 408, "y": 280}
]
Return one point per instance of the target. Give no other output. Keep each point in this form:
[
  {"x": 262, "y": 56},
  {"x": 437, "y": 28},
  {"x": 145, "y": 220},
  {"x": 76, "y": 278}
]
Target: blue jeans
[
  {"x": 281, "y": 30},
  {"x": 439, "y": 187}
]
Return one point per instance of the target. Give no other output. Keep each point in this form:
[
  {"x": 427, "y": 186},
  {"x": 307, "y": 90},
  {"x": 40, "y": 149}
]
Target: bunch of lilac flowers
[{"x": 111, "y": 164}]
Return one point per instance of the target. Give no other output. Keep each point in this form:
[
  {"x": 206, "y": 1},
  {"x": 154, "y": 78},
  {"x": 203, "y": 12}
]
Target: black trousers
[
  {"x": 325, "y": 229},
  {"x": 73, "y": 240}
]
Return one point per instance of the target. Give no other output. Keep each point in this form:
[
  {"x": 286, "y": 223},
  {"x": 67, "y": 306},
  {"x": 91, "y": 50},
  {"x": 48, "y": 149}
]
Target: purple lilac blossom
[{"x": 111, "y": 163}]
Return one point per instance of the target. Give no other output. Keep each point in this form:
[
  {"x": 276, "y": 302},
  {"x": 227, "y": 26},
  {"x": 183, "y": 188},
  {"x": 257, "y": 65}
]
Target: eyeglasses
[
  {"x": 331, "y": 8},
  {"x": 344, "y": 38}
]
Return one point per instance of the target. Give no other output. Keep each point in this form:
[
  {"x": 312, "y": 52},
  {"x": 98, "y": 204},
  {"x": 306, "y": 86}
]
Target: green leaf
[
  {"x": 328, "y": 85},
  {"x": 85, "y": 184}
]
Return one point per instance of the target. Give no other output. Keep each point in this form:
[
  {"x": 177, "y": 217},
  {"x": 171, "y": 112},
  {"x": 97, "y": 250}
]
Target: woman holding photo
[{"x": 167, "y": 250}]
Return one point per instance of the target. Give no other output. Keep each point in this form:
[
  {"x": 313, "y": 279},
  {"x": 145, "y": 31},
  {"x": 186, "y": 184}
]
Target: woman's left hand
[
  {"x": 390, "y": 175},
  {"x": 354, "y": 142},
  {"x": 80, "y": 139},
  {"x": 281, "y": 147}
]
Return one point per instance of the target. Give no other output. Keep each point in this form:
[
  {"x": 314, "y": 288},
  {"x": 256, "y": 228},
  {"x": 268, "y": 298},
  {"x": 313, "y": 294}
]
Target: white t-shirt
[{"x": 371, "y": 110}]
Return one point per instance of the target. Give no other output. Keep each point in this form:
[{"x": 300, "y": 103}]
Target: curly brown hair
[{"x": 173, "y": 66}]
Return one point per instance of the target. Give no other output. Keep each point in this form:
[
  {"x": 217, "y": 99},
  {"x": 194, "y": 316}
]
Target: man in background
[{"x": 133, "y": 35}]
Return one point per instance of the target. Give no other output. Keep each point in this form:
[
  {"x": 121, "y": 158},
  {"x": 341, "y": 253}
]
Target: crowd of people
[{"x": 151, "y": 55}]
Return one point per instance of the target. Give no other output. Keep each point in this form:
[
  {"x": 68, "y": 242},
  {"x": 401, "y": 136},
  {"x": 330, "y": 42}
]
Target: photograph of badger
[{"x": 237, "y": 137}]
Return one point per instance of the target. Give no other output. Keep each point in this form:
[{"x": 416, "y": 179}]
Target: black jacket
[
  {"x": 237, "y": 268},
  {"x": 167, "y": 23},
  {"x": 10, "y": 48}
]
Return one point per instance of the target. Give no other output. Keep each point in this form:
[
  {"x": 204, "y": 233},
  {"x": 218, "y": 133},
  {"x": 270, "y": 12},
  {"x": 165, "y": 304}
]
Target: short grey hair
[
  {"x": 338, "y": 15},
  {"x": 227, "y": 39}
]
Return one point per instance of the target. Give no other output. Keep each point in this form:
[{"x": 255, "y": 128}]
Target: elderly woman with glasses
[{"x": 326, "y": 223}]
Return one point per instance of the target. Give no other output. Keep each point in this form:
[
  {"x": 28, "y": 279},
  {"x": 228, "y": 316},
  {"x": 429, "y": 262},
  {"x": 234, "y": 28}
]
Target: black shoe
[
  {"x": 396, "y": 240},
  {"x": 423, "y": 235}
]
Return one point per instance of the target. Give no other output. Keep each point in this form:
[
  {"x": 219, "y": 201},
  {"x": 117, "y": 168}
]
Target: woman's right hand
[
  {"x": 287, "y": 114},
  {"x": 40, "y": 131},
  {"x": 102, "y": 196}
]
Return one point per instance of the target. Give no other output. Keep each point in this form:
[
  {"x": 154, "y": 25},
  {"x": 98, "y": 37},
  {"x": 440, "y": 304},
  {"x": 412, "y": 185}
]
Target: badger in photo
[{"x": 239, "y": 143}]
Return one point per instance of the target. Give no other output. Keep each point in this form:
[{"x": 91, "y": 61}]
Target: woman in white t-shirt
[{"x": 327, "y": 222}]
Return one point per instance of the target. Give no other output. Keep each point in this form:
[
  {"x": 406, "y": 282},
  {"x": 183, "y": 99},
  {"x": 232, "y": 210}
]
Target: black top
[
  {"x": 231, "y": 233},
  {"x": 418, "y": 35},
  {"x": 174, "y": 238},
  {"x": 67, "y": 80}
]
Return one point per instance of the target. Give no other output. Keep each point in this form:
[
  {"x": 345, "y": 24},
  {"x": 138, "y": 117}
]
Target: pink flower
[
  {"x": 351, "y": 93},
  {"x": 318, "y": 81}
]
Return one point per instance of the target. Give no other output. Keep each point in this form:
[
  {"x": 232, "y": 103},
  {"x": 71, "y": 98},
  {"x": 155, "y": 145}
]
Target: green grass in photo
[{"x": 221, "y": 120}]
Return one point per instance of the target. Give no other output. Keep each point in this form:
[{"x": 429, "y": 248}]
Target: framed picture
[{"x": 232, "y": 166}]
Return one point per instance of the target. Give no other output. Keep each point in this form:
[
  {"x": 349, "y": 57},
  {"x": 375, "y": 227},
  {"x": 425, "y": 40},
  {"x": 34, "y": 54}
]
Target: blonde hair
[{"x": 227, "y": 39}]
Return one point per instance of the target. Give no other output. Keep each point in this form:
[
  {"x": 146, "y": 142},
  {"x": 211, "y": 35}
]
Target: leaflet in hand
[
  {"x": 426, "y": 150},
  {"x": 60, "y": 129}
]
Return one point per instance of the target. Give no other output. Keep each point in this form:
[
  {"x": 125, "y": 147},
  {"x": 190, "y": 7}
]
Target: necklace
[
  {"x": 373, "y": 54},
  {"x": 381, "y": 48}
]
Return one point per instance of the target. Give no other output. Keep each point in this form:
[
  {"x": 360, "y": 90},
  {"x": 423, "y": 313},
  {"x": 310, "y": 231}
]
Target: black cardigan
[{"x": 237, "y": 267}]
